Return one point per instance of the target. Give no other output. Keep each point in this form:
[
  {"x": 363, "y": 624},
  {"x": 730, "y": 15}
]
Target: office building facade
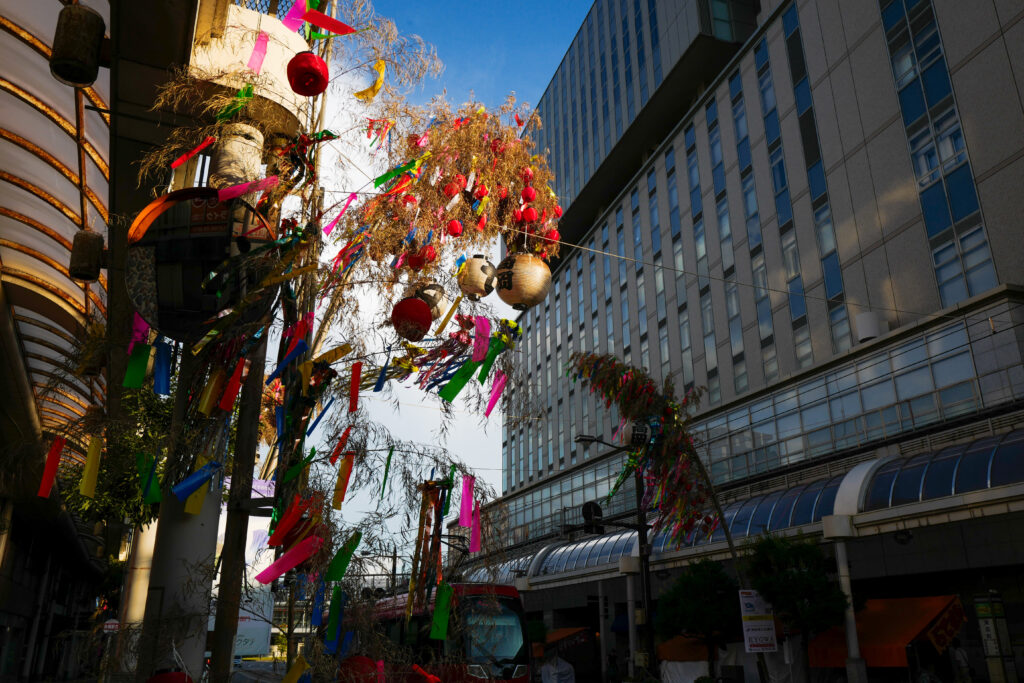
[{"x": 821, "y": 229}]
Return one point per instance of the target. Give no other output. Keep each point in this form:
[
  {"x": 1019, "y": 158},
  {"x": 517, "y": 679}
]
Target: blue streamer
[
  {"x": 300, "y": 348},
  {"x": 382, "y": 377},
  {"x": 459, "y": 262},
  {"x": 347, "y": 642},
  {"x": 162, "y": 370},
  {"x": 319, "y": 417},
  {"x": 279, "y": 414},
  {"x": 190, "y": 484},
  {"x": 318, "y": 605}
]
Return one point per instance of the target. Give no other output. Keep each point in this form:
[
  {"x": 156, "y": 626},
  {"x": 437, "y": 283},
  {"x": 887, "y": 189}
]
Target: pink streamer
[
  {"x": 140, "y": 331},
  {"x": 330, "y": 226},
  {"x": 259, "y": 52},
  {"x": 496, "y": 389},
  {"x": 293, "y": 20},
  {"x": 226, "y": 193},
  {"x": 474, "y": 534},
  {"x": 380, "y": 671},
  {"x": 291, "y": 559},
  {"x": 466, "y": 510},
  {"x": 482, "y": 339}
]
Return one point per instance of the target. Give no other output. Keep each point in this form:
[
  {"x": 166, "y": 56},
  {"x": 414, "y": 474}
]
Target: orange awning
[
  {"x": 682, "y": 649},
  {"x": 886, "y": 626}
]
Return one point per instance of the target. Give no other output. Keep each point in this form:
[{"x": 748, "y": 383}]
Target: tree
[
  {"x": 796, "y": 578},
  {"x": 702, "y": 604}
]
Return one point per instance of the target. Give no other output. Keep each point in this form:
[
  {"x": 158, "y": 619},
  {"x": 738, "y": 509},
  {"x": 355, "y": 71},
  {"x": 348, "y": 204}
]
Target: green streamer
[
  {"x": 234, "y": 106},
  {"x": 146, "y": 465},
  {"x": 496, "y": 347},
  {"x": 450, "y": 483},
  {"x": 442, "y": 607},
  {"x": 458, "y": 380},
  {"x": 297, "y": 469},
  {"x": 137, "y": 364},
  {"x": 338, "y": 566},
  {"x": 334, "y": 616},
  {"x": 387, "y": 468},
  {"x": 381, "y": 179}
]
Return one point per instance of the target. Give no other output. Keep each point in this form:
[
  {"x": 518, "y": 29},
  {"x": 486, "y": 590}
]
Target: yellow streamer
[
  {"x": 448, "y": 317},
  {"x": 194, "y": 503},
  {"x": 371, "y": 92},
  {"x": 87, "y": 487},
  {"x": 298, "y": 668}
]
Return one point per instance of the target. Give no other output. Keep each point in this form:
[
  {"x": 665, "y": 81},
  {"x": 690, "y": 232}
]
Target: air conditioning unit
[{"x": 869, "y": 326}]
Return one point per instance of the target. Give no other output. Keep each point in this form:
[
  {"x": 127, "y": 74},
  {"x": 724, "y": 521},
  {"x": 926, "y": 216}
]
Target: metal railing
[{"x": 275, "y": 8}]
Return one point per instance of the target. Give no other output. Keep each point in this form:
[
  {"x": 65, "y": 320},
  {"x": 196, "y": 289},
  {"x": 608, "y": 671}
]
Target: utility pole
[{"x": 645, "y": 569}]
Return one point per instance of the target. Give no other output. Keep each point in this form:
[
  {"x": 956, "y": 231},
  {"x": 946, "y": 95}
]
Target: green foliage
[
  {"x": 703, "y": 603},
  {"x": 142, "y": 427},
  {"x": 795, "y": 576}
]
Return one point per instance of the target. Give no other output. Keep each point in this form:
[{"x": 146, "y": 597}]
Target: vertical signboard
[{"x": 758, "y": 623}]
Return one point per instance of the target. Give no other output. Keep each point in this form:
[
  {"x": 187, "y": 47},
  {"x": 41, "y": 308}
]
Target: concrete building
[{"x": 808, "y": 208}]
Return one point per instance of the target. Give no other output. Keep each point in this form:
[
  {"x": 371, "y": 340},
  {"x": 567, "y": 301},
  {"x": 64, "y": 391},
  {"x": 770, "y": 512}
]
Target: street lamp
[{"x": 639, "y": 436}]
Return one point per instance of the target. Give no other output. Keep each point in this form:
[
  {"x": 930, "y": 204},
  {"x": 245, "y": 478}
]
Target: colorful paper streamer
[
  {"x": 368, "y": 94},
  {"x": 190, "y": 484},
  {"x": 451, "y": 390},
  {"x": 87, "y": 487},
  {"x": 317, "y": 619},
  {"x": 298, "y": 668},
  {"x": 319, "y": 417},
  {"x": 330, "y": 226},
  {"x": 210, "y": 139},
  {"x": 146, "y": 465},
  {"x": 50, "y": 468},
  {"x": 334, "y": 615},
  {"x": 482, "y": 338},
  {"x": 293, "y": 20},
  {"x": 299, "y": 467},
  {"x": 387, "y": 468},
  {"x": 353, "y": 392},
  {"x": 327, "y": 23},
  {"x": 496, "y": 389},
  {"x": 227, "y": 401},
  {"x": 226, "y": 193},
  {"x": 344, "y": 474},
  {"x": 448, "y": 316},
  {"x": 162, "y": 369},
  {"x": 466, "y": 504},
  {"x": 299, "y": 349},
  {"x": 339, "y": 565},
  {"x": 474, "y": 534},
  {"x": 135, "y": 373},
  {"x": 259, "y": 52},
  {"x": 442, "y": 609},
  {"x": 496, "y": 347},
  {"x": 140, "y": 331},
  {"x": 341, "y": 444},
  {"x": 301, "y": 552}
]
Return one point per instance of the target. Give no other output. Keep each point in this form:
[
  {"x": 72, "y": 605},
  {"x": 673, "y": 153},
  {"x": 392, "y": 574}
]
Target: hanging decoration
[
  {"x": 307, "y": 74},
  {"x": 411, "y": 318},
  {"x": 50, "y": 468},
  {"x": 523, "y": 280},
  {"x": 370, "y": 93}
]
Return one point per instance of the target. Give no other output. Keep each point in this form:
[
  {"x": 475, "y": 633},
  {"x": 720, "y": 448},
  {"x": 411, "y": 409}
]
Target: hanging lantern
[
  {"x": 434, "y": 296},
  {"x": 77, "y": 46},
  {"x": 523, "y": 280},
  {"x": 476, "y": 278},
  {"x": 307, "y": 74},
  {"x": 411, "y": 318},
  {"x": 425, "y": 255},
  {"x": 454, "y": 228},
  {"x": 87, "y": 257}
]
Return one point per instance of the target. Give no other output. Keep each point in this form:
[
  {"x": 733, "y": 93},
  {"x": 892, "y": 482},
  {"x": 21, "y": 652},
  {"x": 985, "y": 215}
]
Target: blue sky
[{"x": 490, "y": 48}]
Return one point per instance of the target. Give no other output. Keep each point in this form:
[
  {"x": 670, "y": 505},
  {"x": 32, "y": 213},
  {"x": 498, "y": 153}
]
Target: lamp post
[{"x": 640, "y": 527}]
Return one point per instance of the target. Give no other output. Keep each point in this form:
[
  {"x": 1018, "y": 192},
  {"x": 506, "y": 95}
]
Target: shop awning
[
  {"x": 682, "y": 649},
  {"x": 886, "y": 626}
]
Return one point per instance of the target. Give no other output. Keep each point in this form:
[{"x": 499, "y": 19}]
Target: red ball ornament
[
  {"x": 530, "y": 214},
  {"x": 461, "y": 181},
  {"x": 481, "y": 191},
  {"x": 451, "y": 189},
  {"x": 558, "y": 211},
  {"x": 527, "y": 175},
  {"x": 428, "y": 253},
  {"x": 517, "y": 215},
  {"x": 552, "y": 236},
  {"x": 454, "y": 228},
  {"x": 529, "y": 194},
  {"x": 411, "y": 318},
  {"x": 416, "y": 261},
  {"x": 307, "y": 74},
  {"x": 409, "y": 199},
  {"x": 502, "y": 191}
]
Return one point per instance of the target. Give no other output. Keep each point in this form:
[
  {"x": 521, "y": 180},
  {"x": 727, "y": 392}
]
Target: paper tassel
[
  {"x": 299, "y": 349},
  {"x": 317, "y": 619},
  {"x": 336, "y": 570},
  {"x": 298, "y": 668},
  {"x": 87, "y": 487},
  {"x": 291, "y": 559},
  {"x": 466, "y": 505},
  {"x": 442, "y": 608},
  {"x": 448, "y": 316},
  {"x": 474, "y": 534},
  {"x": 482, "y": 338},
  {"x": 497, "y": 346},
  {"x": 137, "y": 365},
  {"x": 210, "y": 397},
  {"x": 458, "y": 381},
  {"x": 334, "y": 615},
  {"x": 293, "y": 20},
  {"x": 319, "y": 417},
  {"x": 148, "y": 483},
  {"x": 162, "y": 370},
  {"x": 227, "y": 401},
  {"x": 368, "y": 94},
  {"x": 330, "y": 226},
  {"x": 190, "y": 484},
  {"x": 259, "y": 52},
  {"x": 210, "y": 139},
  {"x": 387, "y": 468},
  {"x": 496, "y": 389},
  {"x": 341, "y": 445},
  {"x": 50, "y": 469},
  {"x": 140, "y": 331},
  {"x": 353, "y": 392},
  {"x": 327, "y": 23},
  {"x": 226, "y": 193}
]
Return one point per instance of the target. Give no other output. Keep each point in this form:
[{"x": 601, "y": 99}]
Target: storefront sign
[{"x": 758, "y": 623}]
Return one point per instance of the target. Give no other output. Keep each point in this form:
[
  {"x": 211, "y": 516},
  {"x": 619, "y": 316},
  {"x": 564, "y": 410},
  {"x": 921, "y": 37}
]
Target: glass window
[
  {"x": 972, "y": 472},
  {"x": 912, "y": 102},
  {"x": 878, "y": 395},
  {"x": 935, "y": 209},
  {"x": 797, "y": 304},
  {"x": 963, "y": 200},
  {"x": 936, "y": 83},
  {"x": 827, "y": 499},
  {"x": 802, "y": 90},
  {"x": 938, "y": 480},
  {"x": 783, "y": 508},
  {"x": 762, "y": 514},
  {"x": 881, "y": 485},
  {"x": 803, "y": 509},
  {"x": 954, "y": 369},
  {"x": 1008, "y": 461},
  {"x": 833, "y": 276}
]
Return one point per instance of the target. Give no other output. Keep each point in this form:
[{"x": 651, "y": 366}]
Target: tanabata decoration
[
  {"x": 334, "y": 615},
  {"x": 227, "y": 401},
  {"x": 466, "y": 507},
  {"x": 138, "y": 362},
  {"x": 148, "y": 482},
  {"x": 241, "y": 99},
  {"x": 523, "y": 280},
  {"x": 288, "y": 520},
  {"x": 482, "y": 338},
  {"x": 344, "y": 474},
  {"x": 307, "y": 74},
  {"x": 298, "y": 668},
  {"x": 210, "y": 139},
  {"x": 293, "y": 20},
  {"x": 190, "y": 484},
  {"x": 50, "y": 468},
  {"x": 292, "y": 558},
  {"x": 226, "y": 193},
  {"x": 319, "y": 417},
  {"x": 317, "y": 618},
  {"x": 677, "y": 485},
  {"x": 476, "y": 277},
  {"x": 300, "y": 348},
  {"x": 387, "y": 468},
  {"x": 327, "y": 23},
  {"x": 209, "y": 399},
  {"x": 496, "y": 389},
  {"x": 340, "y": 445},
  {"x": 474, "y": 533},
  {"x": 162, "y": 369},
  {"x": 259, "y": 53},
  {"x": 411, "y": 318},
  {"x": 442, "y": 609},
  {"x": 339, "y": 565},
  {"x": 87, "y": 486},
  {"x": 370, "y": 93},
  {"x": 299, "y": 467}
]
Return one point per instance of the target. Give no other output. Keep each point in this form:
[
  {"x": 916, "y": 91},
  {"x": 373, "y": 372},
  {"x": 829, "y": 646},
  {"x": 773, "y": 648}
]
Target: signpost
[
  {"x": 758, "y": 623},
  {"x": 111, "y": 626}
]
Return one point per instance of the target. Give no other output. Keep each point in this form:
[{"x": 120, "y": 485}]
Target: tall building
[{"x": 810, "y": 210}]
